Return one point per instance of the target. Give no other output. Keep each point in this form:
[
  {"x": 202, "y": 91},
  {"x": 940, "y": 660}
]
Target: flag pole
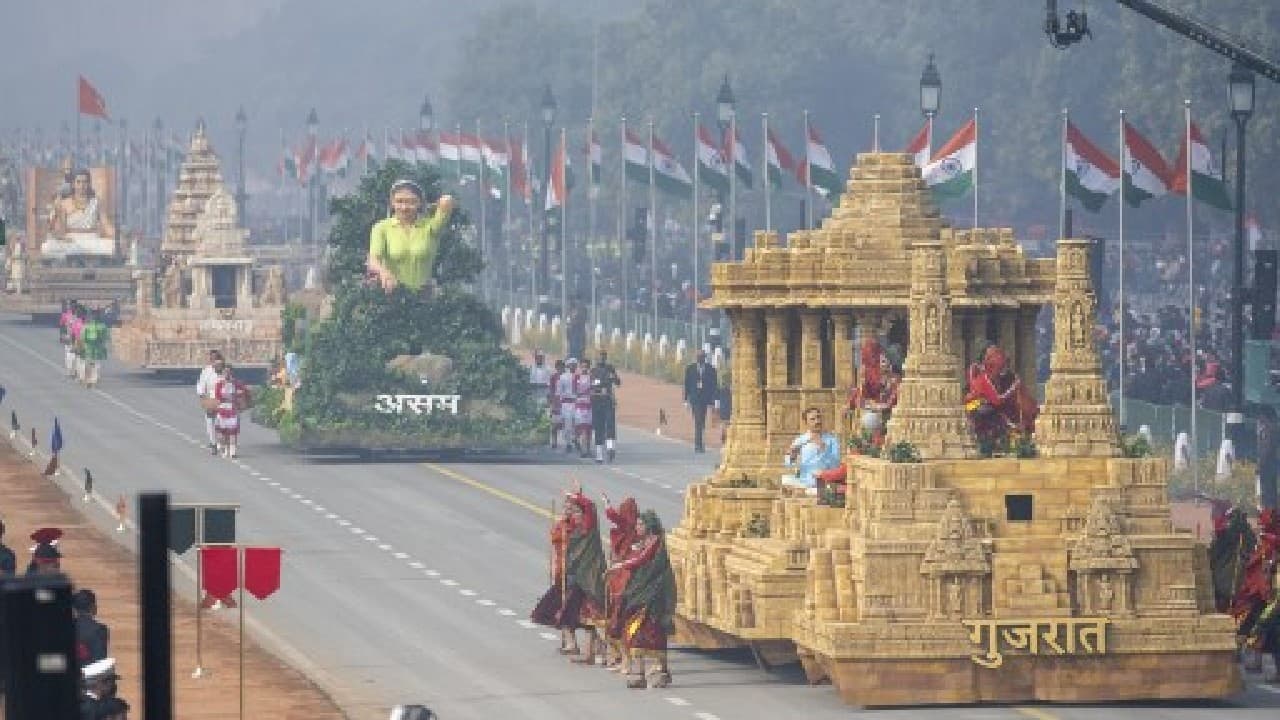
[
  {"x": 592, "y": 188},
  {"x": 564, "y": 232},
  {"x": 1124, "y": 344},
  {"x": 697, "y": 240},
  {"x": 482, "y": 193},
  {"x": 506, "y": 216},
  {"x": 768, "y": 209},
  {"x": 653, "y": 237},
  {"x": 528, "y": 183},
  {"x": 76, "y": 153},
  {"x": 975, "y": 169},
  {"x": 875, "y": 134},
  {"x": 733, "y": 186},
  {"x": 1062, "y": 179},
  {"x": 1191, "y": 296},
  {"x": 808, "y": 177},
  {"x": 622, "y": 228}
]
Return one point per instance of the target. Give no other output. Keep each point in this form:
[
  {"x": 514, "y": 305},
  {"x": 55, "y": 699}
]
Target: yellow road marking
[
  {"x": 1036, "y": 713},
  {"x": 500, "y": 494}
]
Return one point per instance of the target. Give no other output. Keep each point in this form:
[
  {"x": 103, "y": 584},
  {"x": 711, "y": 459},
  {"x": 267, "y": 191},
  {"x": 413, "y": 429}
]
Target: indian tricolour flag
[
  {"x": 471, "y": 155},
  {"x": 520, "y": 185},
  {"x": 950, "y": 173},
  {"x": 595, "y": 157},
  {"x": 821, "y": 170},
  {"x": 712, "y": 168},
  {"x": 919, "y": 148},
  {"x": 497, "y": 159},
  {"x": 738, "y": 151},
  {"x": 1145, "y": 172},
  {"x": 450, "y": 148},
  {"x": 556, "y": 189},
  {"x": 635, "y": 156},
  {"x": 668, "y": 174},
  {"x": 1207, "y": 184},
  {"x": 425, "y": 149},
  {"x": 1091, "y": 176},
  {"x": 780, "y": 162}
]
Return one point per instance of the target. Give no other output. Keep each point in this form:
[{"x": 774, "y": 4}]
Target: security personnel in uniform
[{"x": 604, "y": 407}]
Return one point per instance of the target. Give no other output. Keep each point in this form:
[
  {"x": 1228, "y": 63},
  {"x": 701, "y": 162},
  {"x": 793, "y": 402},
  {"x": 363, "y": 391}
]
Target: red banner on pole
[
  {"x": 219, "y": 567},
  {"x": 261, "y": 571},
  {"x": 91, "y": 101}
]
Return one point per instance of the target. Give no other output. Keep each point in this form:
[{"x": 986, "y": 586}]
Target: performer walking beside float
[
  {"x": 232, "y": 396},
  {"x": 93, "y": 343},
  {"x": 621, "y": 536},
  {"x": 576, "y": 598},
  {"x": 647, "y": 605}
]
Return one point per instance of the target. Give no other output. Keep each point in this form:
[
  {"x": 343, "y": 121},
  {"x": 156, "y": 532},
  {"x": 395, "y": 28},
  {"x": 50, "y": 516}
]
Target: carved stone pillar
[
  {"x": 1028, "y": 357},
  {"x": 744, "y": 443},
  {"x": 1076, "y": 419},
  {"x": 775, "y": 363},
  {"x": 1007, "y": 334},
  {"x": 930, "y": 410},
  {"x": 843, "y": 350},
  {"x": 810, "y": 349}
]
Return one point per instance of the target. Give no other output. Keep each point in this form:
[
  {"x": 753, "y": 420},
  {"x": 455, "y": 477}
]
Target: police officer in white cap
[{"x": 99, "y": 686}]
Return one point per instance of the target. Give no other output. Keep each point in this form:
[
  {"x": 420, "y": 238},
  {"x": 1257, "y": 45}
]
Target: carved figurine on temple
[
  {"x": 78, "y": 226},
  {"x": 999, "y": 406},
  {"x": 273, "y": 287},
  {"x": 876, "y": 393},
  {"x": 172, "y": 288}
]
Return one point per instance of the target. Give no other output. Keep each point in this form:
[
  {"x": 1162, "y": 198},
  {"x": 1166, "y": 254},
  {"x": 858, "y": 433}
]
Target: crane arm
[{"x": 1206, "y": 35}]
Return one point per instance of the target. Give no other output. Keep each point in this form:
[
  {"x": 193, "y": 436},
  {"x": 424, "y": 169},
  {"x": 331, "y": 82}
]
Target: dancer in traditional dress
[
  {"x": 998, "y": 403},
  {"x": 648, "y": 604},
  {"x": 64, "y": 337},
  {"x": 581, "y": 583},
  {"x": 582, "y": 407},
  {"x": 1255, "y": 605},
  {"x": 621, "y": 536},
  {"x": 232, "y": 396},
  {"x": 94, "y": 338}
]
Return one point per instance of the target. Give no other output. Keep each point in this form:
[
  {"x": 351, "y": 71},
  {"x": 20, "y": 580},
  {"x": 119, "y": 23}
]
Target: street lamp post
[
  {"x": 313, "y": 129},
  {"x": 930, "y": 90},
  {"x": 1240, "y": 98},
  {"x": 426, "y": 117},
  {"x": 242, "y": 125},
  {"x": 725, "y": 112},
  {"x": 548, "y": 118}
]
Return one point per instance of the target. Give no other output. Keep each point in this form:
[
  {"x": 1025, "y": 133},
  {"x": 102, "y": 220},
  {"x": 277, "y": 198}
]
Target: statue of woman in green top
[{"x": 403, "y": 247}]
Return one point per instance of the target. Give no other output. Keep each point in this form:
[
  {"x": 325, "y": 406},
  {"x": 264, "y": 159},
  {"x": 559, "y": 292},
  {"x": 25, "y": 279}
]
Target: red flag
[
  {"x": 261, "y": 571},
  {"x": 91, "y": 101},
  {"x": 219, "y": 567}
]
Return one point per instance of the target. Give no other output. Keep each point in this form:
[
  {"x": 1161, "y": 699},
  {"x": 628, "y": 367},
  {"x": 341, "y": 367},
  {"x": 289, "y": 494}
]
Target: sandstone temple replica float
[
  {"x": 206, "y": 294},
  {"x": 1050, "y": 571}
]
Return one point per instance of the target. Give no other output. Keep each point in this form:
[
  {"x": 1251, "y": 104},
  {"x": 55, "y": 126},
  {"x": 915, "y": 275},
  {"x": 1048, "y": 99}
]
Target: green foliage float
[{"x": 344, "y": 365}]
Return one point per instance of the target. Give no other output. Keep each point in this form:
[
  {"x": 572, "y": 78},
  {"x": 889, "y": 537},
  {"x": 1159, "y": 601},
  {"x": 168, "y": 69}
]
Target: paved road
[{"x": 409, "y": 582}]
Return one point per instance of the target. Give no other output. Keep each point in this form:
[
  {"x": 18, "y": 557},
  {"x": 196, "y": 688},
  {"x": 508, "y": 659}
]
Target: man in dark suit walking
[{"x": 701, "y": 390}]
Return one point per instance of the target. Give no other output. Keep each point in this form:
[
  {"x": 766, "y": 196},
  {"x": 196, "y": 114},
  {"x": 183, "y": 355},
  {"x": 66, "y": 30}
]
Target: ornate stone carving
[
  {"x": 957, "y": 566},
  {"x": 1076, "y": 418}
]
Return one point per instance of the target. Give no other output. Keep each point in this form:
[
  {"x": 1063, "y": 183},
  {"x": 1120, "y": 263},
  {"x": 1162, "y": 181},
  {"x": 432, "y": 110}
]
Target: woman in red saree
[{"x": 647, "y": 606}]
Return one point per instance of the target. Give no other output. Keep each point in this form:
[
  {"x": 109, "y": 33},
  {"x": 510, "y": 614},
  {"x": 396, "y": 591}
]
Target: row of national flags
[{"x": 1091, "y": 176}]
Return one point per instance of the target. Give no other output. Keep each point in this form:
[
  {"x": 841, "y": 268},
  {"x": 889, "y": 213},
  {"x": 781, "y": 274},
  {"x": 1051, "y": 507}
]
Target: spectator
[
  {"x": 8, "y": 561},
  {"x": 92, "y": 637}
]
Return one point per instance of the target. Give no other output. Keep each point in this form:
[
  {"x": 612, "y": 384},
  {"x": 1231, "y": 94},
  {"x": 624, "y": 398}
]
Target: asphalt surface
[{"x": 411, "y": 582}]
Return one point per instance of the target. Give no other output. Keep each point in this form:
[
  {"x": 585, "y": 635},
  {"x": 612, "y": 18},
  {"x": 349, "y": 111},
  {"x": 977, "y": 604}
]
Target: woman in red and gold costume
[
  {"x": 647, "y": 605},
  {"x": 576, "y": 596},
  {"x": 877, "y": 391},
  {"x": 1256, "y": 606},
  {"x": 998, "y": 403},
  {"x": 621, "y": 536}
]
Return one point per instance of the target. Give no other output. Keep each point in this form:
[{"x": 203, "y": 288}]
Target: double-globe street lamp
[
  {"x": 930, "y": 90},
  {"x": 1240, "y": 100}
]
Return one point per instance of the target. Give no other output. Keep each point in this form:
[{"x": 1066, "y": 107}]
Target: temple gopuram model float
[
  {"x": 206, "y": 296},
  {"x": 959, "y": 568}
]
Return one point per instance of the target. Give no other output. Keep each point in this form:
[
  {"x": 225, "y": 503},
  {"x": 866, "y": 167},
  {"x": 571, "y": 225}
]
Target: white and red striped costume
[{"x": 582, "y": 402}]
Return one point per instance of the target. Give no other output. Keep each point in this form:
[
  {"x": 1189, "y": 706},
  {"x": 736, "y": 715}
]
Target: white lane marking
[
  {"x": 527, "y": 624},
  {"x": 255, "y": 473},
  {"x": 549, "y": 636},
  {"x": 706, "y": 716},
  {"x": 1268, "y": 688},
  {"x": 307, "y": 501},
  {"x": 371, "y": 538},
  {"x": 357, "y": 531},
  {"x": 485, "y": 602},
  {"x": 285, "y": 489},
  {"x": 319, "y": 508},
  {"x": 664, "y": 486},
  {"x": 416, "y": 565},
  {"x": 265, "y": 479},
  {"x": 431, "y": 573},
  {"x": 449, "y": 583},
  {"x": 295, "y": 496},
  {"x": 384, "y": 547},
  {"x": 273, "y": 483},
  {"x": 467, "y": 593},
  {"x": 506, "y": 612},
  {"x": 678, "y": 701},
  {"x": 342, "y": 522},
  {"x": 401, "y": 556}
]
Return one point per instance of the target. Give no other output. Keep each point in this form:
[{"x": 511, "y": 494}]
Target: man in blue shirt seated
[{"x": 813, "y": 451}]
